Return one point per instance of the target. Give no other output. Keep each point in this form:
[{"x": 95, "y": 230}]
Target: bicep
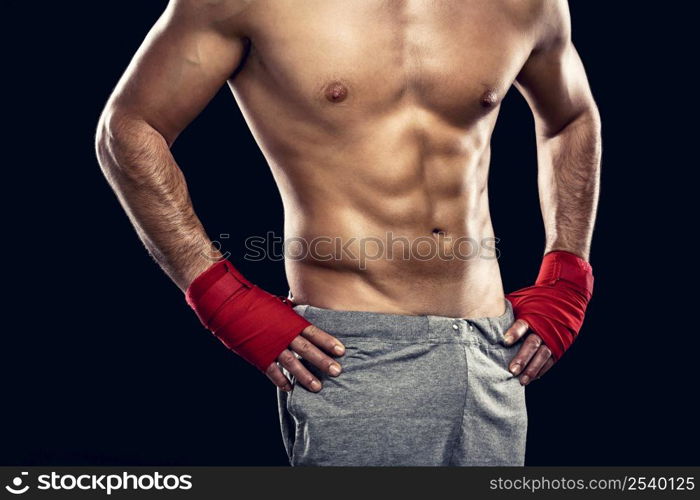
[
  {"x": 182, "y": 63},
  {"x": 554, "y": 81}
]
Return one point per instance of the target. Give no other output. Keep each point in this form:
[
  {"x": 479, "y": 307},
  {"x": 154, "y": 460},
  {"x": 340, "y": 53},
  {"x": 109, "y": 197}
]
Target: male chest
[{"x": 453, "y": 57}]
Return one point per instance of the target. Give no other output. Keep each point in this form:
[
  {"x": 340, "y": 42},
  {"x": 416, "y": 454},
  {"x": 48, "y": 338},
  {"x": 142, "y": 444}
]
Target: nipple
[
  {"x": 489, "y": 99},
  {"x": 336, "y": 92}
]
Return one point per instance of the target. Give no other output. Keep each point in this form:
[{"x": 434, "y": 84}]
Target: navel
[{"x": 336, "y": 92}]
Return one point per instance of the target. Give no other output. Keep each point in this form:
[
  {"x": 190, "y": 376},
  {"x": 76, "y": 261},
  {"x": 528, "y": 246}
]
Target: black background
[{"x": 102, "y": 362}]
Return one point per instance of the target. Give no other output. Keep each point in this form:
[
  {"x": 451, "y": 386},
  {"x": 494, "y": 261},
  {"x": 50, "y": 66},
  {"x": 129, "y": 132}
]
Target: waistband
[{"x": 407, "y": 328}]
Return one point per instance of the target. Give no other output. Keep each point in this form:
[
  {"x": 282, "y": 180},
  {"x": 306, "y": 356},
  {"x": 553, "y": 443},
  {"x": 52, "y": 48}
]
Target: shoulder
[
  {"x": 223, "y": 15},
  {"x": 211, "y": 7},
  {"x": 553, "y": 23},
  {"x": 547, "y": 20}
]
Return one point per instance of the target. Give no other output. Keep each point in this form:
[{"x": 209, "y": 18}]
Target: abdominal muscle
[
  {"x": 394, "y": 221},
  {"x": 376, "y": 118},
  {"x": 412, "y": 286}
]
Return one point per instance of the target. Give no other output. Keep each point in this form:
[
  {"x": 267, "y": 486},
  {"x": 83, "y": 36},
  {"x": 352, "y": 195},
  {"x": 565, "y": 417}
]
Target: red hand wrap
[
  {"x": 555, "y": 306},
  {"x": 251, "y": 322}
]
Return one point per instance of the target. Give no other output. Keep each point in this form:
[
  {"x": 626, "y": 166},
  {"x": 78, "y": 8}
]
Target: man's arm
[
  {"x": 554, "y": 83},
  {"x": 568, "y": 134},
  {"x": 186, "y": 58},
  {"x": 183, "y": 62}
]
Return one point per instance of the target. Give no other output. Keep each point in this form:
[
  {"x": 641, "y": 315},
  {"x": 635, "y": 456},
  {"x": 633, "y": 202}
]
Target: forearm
[
  {"x": 569, "y": 181},
  {"x": 138, "y": 164}
]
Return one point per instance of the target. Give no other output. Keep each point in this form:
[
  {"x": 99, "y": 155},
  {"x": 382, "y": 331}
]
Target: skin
[{"x": 375, "y": 117}]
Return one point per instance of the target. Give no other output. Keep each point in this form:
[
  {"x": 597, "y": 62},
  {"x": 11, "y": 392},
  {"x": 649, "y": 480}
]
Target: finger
[
  {"x": 548, "y": 364},
  {"x": 315, "y": 356},
  {"x": 515, "y": 332},
  {"x": 530, "y": 345},
  {"x": 274, "y": 373},
  {"x": 323, "y": 340},
  {"x": 288, "y": 360},
  {"x": 535, "y": 365}
]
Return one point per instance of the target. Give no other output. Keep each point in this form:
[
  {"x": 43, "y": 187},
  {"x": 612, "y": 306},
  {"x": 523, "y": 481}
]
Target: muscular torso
[{"x": 375, "y": 117}]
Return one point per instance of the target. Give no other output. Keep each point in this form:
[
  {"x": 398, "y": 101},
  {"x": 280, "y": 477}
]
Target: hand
[
  {"x": 533, "y": 359},
  {"x": 307, "y": 346}
]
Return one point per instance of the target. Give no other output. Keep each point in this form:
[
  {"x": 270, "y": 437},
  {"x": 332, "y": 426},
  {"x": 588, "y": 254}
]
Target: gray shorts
[{"x": 415, "y": 390}]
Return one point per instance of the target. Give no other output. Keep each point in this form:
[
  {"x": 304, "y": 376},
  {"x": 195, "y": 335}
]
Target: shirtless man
[{"x": 375, "y": 117}]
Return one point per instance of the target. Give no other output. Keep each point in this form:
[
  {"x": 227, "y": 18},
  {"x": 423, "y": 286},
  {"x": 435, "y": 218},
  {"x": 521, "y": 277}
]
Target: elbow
[
  {"x": 110, "y": 137},
  {"x": 590, "y": 127},
  {"x": 592, "y": 117},
  {"x": 125, "y": 143}
]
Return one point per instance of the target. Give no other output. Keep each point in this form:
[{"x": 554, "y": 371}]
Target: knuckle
[
  {"x": 297, "y": 366},
  {"x": 286, "y": 357},
  {"x": 534, "y": 341},
  {"x": 318, "y": 355},
  {"x": 517, "y": 363},
  {"x": 323, "y": 336},
  {"x": 532, "y": 370},
  {"x": 311, "y": 331},
  {"x": 519, "y": 327}
]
